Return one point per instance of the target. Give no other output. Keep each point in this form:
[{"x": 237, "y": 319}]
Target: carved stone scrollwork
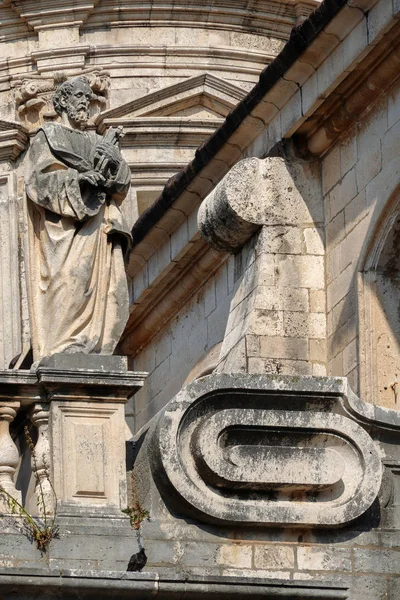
[
  {"x": 34, "y": 96},
  {"x": 31, "y": 97},
  {"x": 100, "y": 83},
  {"x": 265, "y": 451},
  {"x": 9, "y": 455}
]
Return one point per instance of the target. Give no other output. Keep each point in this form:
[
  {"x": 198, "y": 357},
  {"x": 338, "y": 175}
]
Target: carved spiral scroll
[{"x": 236, "y": 449}]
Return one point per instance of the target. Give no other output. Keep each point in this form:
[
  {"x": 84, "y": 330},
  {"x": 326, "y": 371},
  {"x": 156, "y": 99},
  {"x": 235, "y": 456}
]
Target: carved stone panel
[
  {"x": 90, "y": 436},
  {"x": 265, "y": 451}
]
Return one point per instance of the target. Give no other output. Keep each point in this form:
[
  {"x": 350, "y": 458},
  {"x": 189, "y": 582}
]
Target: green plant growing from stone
[
  {"x": 40, "y": 530},
  {"x": 136, "y": 513}
]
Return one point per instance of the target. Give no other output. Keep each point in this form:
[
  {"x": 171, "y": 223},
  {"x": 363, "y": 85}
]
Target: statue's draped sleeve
[{"x": 51, "y": 184}]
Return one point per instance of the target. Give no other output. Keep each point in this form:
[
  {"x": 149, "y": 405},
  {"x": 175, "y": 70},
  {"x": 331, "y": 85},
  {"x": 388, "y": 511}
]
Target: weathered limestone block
[{"x": 257, "y": 450}]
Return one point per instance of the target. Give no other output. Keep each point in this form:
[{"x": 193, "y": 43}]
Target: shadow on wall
[{"x": 370, "y": 311}]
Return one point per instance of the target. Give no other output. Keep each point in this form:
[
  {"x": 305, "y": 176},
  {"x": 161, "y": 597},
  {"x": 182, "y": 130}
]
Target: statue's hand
[
  {"x": 110, "y": 152},
  {"x": 92, "y": 177}
]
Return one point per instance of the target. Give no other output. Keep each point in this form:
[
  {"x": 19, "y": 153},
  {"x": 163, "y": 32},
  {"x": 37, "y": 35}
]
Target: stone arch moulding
[{"x": 378, "y": 285}]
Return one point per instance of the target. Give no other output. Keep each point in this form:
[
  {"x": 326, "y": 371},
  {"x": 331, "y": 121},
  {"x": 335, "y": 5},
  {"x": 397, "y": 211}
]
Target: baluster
[
  {"x": 41, "y": 462},
  {"x": 9, "y": 455}
]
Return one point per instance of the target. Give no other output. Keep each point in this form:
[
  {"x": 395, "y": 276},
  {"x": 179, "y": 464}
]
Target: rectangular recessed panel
[
  {"x": 90, "y": 453},
  {"x": 90, "y": 444}
]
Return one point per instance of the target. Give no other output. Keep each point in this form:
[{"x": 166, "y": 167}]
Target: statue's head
[{"x": 73, "y": 97}]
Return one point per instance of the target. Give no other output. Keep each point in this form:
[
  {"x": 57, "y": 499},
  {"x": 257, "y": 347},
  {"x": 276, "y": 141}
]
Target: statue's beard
[{"x": 78, "y": 115}]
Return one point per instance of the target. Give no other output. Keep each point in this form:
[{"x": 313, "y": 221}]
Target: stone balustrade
[
  {"x": 76, "y": 403},
  {"x": 9, "y": 455}
]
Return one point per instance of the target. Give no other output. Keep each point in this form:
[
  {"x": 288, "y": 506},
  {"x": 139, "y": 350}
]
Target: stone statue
[{"x": 75, "y": 183}]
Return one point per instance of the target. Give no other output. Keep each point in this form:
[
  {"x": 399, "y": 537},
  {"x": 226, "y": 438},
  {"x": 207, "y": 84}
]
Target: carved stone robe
[{"x": 78, "y": 292}]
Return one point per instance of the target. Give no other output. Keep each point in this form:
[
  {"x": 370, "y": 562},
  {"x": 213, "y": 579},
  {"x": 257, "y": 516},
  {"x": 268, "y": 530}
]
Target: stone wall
[
  {"x": 306, "y": 301},
  {"x": 360, "y": 179},
  {"x": 257, "y": 467},
  {"x": 187, "y": 347}
]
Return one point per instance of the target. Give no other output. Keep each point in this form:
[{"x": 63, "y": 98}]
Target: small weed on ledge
[
  {"x": 137, "y": 514},
  {"x": 40, "y": 530}
]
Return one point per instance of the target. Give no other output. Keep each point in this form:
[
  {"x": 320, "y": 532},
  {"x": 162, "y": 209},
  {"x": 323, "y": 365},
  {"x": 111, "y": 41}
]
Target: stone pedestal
[
  {"x": 76, "y": 402},
  {"x": 87, "y": 429}
]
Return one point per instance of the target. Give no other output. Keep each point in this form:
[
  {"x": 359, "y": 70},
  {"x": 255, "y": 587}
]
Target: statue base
[{"x": 89, "y": 362}]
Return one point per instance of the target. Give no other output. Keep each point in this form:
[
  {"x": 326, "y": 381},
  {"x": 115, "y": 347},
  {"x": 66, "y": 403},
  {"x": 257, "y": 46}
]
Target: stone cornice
[
  {"x": 49, "y": 383},
  {"x": 354, "y": 95},
  {"x": 75, "y": 58},
  {"x": 145, "y": 585},
  {"x": 60, "y": 58},
  {"x": 154, "y": 174},
  {"x": 267, "y": 17},
  {"x": 13, "y": 139},
  {"x": 164, "y": 131},
  {"x": 53, "y": 13},
  {"x": 12, "y": 26}
]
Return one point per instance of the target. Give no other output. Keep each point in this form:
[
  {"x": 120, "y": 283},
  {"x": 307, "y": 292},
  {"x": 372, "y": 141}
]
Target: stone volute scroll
[
  {"x": 255, "y": 193},
  {"x": 228, "y": 216},
  {"x": 265, "y": 451},
  {"x": 75, "y": 182}
]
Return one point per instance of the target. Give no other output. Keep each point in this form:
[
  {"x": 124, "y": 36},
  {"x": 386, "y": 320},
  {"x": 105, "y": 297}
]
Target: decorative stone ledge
[
  {"x": 148, "y": 585},
  {"x": 265, "y": 451},
  {"x": 13, "y": 139}
]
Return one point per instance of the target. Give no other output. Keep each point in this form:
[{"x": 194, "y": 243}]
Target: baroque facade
[{"x": 260, "y": 406}]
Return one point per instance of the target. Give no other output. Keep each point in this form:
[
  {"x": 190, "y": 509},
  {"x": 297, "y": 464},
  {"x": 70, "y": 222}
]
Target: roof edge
[{"x": 301, "y": 37}]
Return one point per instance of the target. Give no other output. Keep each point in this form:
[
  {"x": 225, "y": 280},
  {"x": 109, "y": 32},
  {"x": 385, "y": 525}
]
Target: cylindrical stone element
[
  {"x": 9, "y": 455},
  {"x": 228, "y": 216}
]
